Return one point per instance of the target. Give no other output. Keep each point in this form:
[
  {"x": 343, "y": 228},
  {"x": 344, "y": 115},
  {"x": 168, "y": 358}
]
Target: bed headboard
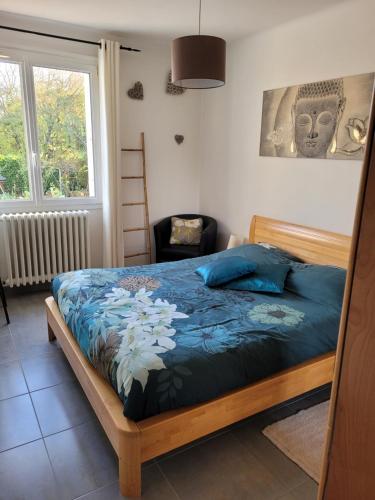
[{"x": 309, "y": 244}]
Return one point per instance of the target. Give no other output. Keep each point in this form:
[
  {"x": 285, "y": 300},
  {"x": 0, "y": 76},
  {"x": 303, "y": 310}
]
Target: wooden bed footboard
[{"x": 137, "y": 442}]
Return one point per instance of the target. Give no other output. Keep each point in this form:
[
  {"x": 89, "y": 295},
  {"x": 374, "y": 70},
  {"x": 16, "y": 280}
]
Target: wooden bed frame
[{"x": 137, "y": 442}]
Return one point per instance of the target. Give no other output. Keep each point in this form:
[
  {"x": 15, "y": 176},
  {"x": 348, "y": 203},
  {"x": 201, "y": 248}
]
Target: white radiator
[{"x": 40, "y": 245}]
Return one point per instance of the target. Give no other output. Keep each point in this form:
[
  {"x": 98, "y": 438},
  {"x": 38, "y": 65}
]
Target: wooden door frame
[{"x": 365, "y": 208}]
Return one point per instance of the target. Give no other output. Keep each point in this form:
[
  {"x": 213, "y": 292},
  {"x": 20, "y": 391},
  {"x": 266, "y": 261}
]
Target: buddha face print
[
  {"x": 316, "y": 114},
  {"x": 325, "y": 119}
]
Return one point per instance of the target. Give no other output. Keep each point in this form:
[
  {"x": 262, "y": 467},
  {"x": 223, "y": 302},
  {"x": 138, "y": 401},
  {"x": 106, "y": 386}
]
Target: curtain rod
[{"x": 89, "y": 42}]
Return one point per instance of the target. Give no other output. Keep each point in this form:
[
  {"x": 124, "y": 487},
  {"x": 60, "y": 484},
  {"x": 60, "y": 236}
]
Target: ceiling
[{"x": 229, "y": 19}]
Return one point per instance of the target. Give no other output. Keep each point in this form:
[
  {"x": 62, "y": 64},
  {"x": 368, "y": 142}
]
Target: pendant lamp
[{"x": 198, "y": 61}]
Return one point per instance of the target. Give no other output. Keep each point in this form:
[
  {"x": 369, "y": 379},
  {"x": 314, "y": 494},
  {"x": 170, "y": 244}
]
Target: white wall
[
  {"x": 173, "y": 171},
  {"x": 235, "y": 181}
]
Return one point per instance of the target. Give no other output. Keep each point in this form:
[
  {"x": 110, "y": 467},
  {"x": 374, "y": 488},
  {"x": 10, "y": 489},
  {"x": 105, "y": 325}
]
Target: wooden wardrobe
[{"x": 349, "y": 465}]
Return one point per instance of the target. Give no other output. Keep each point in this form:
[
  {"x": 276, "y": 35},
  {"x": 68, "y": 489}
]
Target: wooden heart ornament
[
  {"x": 171, "y": 88},
  {"x": 136, "y": 92},
  {"x": 179, "y": 139}
]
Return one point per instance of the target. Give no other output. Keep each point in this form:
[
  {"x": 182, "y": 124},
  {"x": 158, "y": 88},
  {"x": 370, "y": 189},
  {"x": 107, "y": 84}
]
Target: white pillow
[{"x": 235, "y": 241}]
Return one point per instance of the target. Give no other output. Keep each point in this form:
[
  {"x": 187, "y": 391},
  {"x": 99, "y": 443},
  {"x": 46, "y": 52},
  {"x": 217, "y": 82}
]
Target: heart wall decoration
[
  {"x": 173, "y": 89},
  {"x": 136, "y": 92},
  {"x": 179, "y": 138}
]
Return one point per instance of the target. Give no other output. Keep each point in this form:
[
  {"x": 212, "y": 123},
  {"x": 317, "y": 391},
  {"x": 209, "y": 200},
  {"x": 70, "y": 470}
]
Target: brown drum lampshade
[{"x": 198, "y": 62}]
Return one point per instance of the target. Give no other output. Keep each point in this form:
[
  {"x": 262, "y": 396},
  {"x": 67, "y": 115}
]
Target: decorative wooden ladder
[{"x": 143, "y": 203}]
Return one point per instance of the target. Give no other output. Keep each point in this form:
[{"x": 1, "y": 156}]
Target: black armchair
[{"x": 166, "y": 252}]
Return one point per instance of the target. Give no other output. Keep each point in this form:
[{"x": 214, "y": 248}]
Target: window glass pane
[
  {"x": 14, "y": 176},
  {"x": 64, "y": 132}
]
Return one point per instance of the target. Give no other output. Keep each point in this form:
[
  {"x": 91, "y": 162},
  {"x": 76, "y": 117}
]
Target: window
[
  {"x": 46, "y": 131},
  {"x": 14, "y": 175}
]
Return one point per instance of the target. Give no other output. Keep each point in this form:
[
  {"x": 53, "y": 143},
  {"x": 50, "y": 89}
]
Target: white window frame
[{"x": 84, "y": 64}]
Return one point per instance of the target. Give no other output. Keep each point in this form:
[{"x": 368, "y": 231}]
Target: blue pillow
[
  {"x": 220, "y": 271},
  {"x": 279, "y": 253},
  {"x": 258, "y": 254},
  {"x": 322, "y": 284},
  {"x": 266, "y": 278}
]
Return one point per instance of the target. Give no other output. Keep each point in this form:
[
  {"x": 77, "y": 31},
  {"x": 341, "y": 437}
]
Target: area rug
[{"x": 301, "y": 437}]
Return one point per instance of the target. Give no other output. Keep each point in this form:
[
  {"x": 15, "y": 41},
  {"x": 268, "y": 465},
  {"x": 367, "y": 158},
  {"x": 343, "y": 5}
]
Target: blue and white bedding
[{"x": 164, "y": 340}]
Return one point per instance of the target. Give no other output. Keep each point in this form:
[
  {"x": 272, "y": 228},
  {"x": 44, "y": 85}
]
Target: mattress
[{"x": 164, "y": 340}]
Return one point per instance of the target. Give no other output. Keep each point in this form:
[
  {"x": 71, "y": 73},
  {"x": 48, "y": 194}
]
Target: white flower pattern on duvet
[
  {"x": 147, "y": 333},
  {"x": 142, "y": 325},
  {"x": 276, "y": 314}
]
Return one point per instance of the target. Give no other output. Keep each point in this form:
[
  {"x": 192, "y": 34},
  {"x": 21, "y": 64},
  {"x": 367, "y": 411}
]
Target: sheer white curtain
[{"x": 109, "y": 78}]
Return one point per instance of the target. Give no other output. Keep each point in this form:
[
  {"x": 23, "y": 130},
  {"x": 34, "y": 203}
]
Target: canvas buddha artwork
[{"x": 325, "y": 119}]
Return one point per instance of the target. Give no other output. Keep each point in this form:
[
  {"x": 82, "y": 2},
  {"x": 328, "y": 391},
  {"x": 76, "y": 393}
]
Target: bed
[{"x": 164, "y": 403}]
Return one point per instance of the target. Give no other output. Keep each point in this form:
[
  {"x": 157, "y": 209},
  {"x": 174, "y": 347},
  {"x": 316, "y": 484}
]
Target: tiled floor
[{"x": 52, "y": 446}]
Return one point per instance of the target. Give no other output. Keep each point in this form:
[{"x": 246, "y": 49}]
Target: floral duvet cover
[{"x": 165, "y": 340}]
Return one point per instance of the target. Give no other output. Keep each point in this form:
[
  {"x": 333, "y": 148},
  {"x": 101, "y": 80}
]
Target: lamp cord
[{"x": 200, "y": 9}]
